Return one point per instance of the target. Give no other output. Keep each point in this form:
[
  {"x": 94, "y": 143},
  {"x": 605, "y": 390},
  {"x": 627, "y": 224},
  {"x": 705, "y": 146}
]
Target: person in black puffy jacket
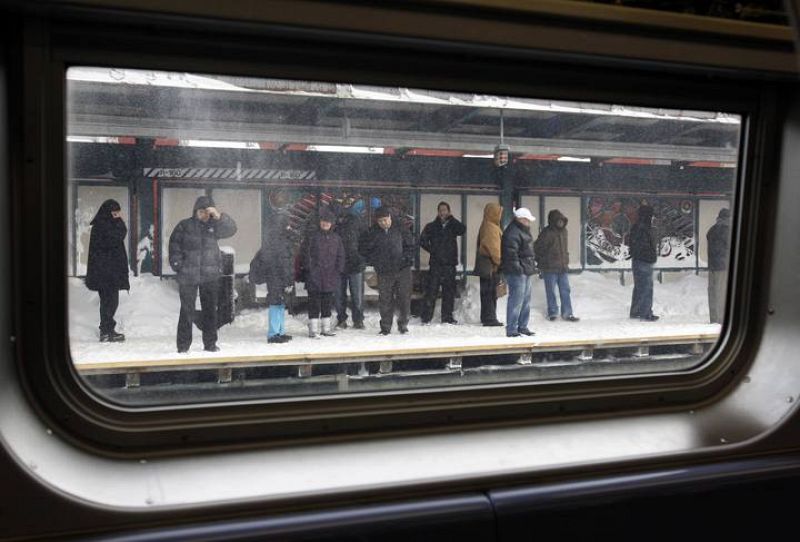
[
  {"x": 389, "y": 248},
  {"x": 518, "y": 266},
  {"x": 107, "y": 266},
  {"x": 643, "y": 242},
  {"x": 439, "y": 239},
  {"x": 195, "y": 256}
]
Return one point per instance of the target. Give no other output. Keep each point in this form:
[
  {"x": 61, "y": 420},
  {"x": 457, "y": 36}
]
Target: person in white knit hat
[{"x": 518, "y": 267}]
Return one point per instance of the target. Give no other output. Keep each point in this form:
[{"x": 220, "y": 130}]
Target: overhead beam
[{"x": 100, "y": 125}]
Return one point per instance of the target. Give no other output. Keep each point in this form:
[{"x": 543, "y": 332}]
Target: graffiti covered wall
[{"x": 609, "y": 219}]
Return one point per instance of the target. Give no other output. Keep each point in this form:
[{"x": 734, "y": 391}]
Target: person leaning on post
[
  {"x": 488, "y": 258},
  {"x": 519, "y": 265},
  {"x": 194, "y": 255}
]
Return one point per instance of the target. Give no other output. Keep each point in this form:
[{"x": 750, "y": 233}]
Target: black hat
[
  {"x": 203, "y": 202},
  {"x": 326, "y": 214},
  {"x": 382, "y": 212}
]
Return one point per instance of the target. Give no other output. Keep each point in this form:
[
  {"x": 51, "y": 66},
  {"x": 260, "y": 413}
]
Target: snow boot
[
  {"x": 326, "y": 328},
  {"x": 313, "y": 328},
  {"x": 112, "y": 337}
]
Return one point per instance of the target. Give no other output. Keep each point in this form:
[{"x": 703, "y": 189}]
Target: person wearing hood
[
  {"x": 440, "y": 239},
  {"x": 644, "y": 252},
  {"x": 718, "y": 238},
  {"x": 350, "y": 228},
  {"x": 322, "y": 264},
  {"x": 552, "y": 257},
  {"x": 195, "y": 256},
  {"x": 518, "y": 266},
  {"x": 389, "y": 247},
  {"x": 488, "y": 258},
  {"x": 107, "y": 266},
  {"x": 273, "y": 265}
]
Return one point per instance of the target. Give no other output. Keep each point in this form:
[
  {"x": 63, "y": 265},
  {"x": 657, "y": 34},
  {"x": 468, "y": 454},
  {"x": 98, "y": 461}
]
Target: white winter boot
[
  {"x": 326, "y": 328},
  {"x": 313, "y": 328}
]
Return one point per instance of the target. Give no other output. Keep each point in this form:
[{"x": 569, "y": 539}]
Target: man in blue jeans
[
  {"x": 350, "y": 228},
  {"x": 644, "y": 252},
  {"x": 553, "y": 259},
  {"x": 518, "y": 266}
]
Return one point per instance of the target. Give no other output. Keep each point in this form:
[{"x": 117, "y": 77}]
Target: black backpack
[{"x": 258, "y": 269}]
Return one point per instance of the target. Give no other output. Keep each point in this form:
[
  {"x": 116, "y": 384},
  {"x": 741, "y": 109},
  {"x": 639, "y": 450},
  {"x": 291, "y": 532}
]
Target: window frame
[{"x": 40, "y": 236}]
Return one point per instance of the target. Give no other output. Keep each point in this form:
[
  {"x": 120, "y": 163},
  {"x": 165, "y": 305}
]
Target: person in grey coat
[
  {"x": 195, "y": 256},
  {"x": 718, "y": 238}
]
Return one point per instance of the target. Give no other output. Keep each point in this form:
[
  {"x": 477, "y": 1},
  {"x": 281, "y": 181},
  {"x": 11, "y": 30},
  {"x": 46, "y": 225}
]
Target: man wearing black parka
[{"x": 195, "y": 256}]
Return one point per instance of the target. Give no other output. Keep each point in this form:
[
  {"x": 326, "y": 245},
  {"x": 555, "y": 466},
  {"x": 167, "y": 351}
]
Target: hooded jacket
[
  {"x": 388, "y": 251},
  {"x": 107, "y": 266},
  {"x": 550, "y": 247},
  {"x": 193, "y": 248},
  {"x": 440, "y": 240},
  {"x": 642, "y": 238},
  {"x": 718, "y": 237},
  {"x": 490, "y": 235},
  {"x": 274, "y": 262},
  {"x": 517, "y": 247}
]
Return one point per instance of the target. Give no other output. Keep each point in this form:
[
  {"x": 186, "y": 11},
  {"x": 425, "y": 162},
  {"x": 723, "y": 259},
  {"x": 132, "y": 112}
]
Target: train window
[{"x": 236, "y": 237}]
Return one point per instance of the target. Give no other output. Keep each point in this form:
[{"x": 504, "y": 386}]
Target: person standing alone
[
  {"x": 195, "y": 256},
  {"x": 718, "y": 238},
  {"x": 439, "y": 239},
  {"x": 552, "y": 257},
  {"x": 519, "y": 264},
  {"x": 107, "y": 266},
  {"x": 644, "y": 252}
]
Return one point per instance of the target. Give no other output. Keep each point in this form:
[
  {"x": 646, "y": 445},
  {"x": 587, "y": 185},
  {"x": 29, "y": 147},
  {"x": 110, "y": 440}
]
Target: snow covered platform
[{"x": 148, "y": 317}]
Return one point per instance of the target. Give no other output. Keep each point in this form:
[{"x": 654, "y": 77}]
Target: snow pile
[{"x": 148, "y": 316}]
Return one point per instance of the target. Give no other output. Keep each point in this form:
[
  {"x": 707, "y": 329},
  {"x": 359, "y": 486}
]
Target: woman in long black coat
[{"x": 107, "y": 268}]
